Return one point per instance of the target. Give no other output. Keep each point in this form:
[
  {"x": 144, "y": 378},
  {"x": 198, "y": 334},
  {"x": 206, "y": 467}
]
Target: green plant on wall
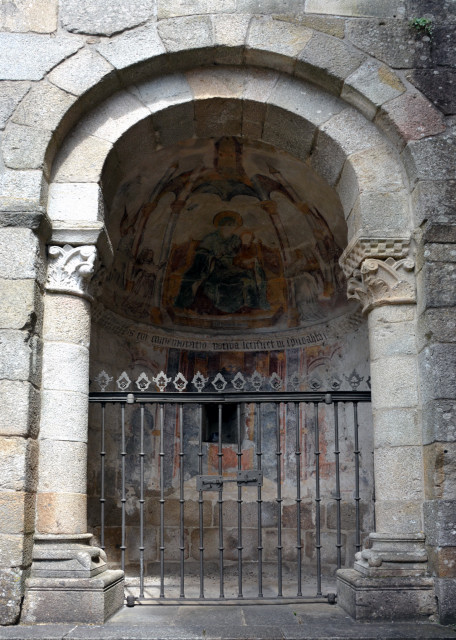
[{"x": 422, "y": 25}]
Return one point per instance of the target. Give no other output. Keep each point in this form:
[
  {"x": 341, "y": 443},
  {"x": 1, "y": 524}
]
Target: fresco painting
[{"x": 224, "y": 242}]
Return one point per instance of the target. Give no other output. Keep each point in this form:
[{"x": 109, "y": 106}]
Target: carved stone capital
[
  {"x": 70, "y": 269},
  {"x": 379, "y": 272}
]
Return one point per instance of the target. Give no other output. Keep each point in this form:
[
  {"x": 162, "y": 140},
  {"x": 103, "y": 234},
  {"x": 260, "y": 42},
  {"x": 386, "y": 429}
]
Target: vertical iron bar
[
  {"x": 181, "y": 499},
  {"x": 201, "y": 504},
  {"x": 102, "y": 474},
  {"x": 338, "y": 496},
  {"x": 317, "y": 499},
  {"x": 297, "y": 407},
  {"x": 220, "y": 499},
  {"x": 123, "y": 499},
  {"x": 279, "y": 502},
  {"x": 259, "y": 453},
  {"x": 357, "y": 498},
  {"x": 162, "y": 503},
  {"x": 239, "y": 501},
  {"x": 141, "y": 506}
]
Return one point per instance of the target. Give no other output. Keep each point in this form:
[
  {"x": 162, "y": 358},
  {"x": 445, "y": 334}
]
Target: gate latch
[{"x": 247, "y": 478}]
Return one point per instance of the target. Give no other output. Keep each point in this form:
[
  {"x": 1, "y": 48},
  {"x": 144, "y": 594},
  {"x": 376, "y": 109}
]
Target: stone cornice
[
  {"x": 70, "y": 269},
  {"x": 379, "y": 271}
]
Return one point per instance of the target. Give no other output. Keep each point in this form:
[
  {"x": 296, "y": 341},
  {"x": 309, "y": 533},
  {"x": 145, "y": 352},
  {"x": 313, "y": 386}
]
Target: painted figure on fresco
[{"x": 225, "y": 270}]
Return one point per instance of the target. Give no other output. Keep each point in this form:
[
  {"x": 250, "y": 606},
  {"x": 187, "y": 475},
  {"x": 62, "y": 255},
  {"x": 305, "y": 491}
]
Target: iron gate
[{"x": 208, "y": 415}]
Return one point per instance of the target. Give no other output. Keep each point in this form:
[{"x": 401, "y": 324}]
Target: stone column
[
  {"x": 389, "y": 578},
  {"x": 69, "y": 578}
]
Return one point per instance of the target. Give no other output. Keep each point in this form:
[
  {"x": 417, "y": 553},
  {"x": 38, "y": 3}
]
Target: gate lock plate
[{"x": 247, "y": 478}]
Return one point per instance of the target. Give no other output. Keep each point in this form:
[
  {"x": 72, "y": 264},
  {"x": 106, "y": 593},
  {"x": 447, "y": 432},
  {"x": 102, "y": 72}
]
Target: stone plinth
[
  {"x": 70, "y": 582},
  {"x": 389, "y": 580}
]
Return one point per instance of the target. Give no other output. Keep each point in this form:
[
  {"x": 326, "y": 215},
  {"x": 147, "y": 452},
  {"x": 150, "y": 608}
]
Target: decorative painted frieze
[
  {"x": 379, "y": 272},
  {"x": 70, "y": 269}
]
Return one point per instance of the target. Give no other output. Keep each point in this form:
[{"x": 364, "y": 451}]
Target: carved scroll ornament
[
  {"x": 380, "y": 282},
  {"x": 70, "y": 269},
  {"x": 376, "y": 280}
]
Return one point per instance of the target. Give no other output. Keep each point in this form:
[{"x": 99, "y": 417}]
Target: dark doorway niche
[{"x": 211, "y": 423}]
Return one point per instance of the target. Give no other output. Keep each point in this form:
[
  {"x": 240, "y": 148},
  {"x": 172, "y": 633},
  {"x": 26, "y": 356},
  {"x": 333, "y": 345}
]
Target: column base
[
  {"x": 389, "y": 580},
  {"x": 70, "y": 582},
  {"x": 79, "y": 600},
  {"x": 393, "y": 598}
]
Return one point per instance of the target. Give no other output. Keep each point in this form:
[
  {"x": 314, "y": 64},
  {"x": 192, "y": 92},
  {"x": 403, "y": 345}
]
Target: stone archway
[{"x": 370, "y": 181}]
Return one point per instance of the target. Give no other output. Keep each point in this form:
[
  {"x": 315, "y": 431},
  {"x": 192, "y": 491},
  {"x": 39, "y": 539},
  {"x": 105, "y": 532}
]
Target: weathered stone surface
[
  {"x": 435, "y": 200},
  {"x": 445, "y": 591},
  {"x": 313, "y": 105},
  {"x": 115, "y": 116},
  {"x": 230, "y": 33},
  {"x": 440, "y": 470},
  {"x": 431, "y": 158},
  {"x": 438, "y": 371},
  {"x": 186, "y": 33},
  {"x": 70, "y": 458},
  {"x": 386, "y": 598},
  {"x": 65, "y": 367},
  {"x": 371, "y": 85},
  {"x": 275, "y": 43},
  {"x": 19, "y": 461},
  {"x": 437, "y": 86},
  {"x": 174, "y": 124},
  {"x": 394, "y": 42},
  {"x": 289, "y": 7},
  {"x": 175, "y": 8},
  {"x": 216, "y": 115},
  {"x": 191, "y": 513},
  {"x": 15, "y": 550},
  {"x": 397, "y": 427},
  {"x": 80, "y": 72},
  {"x": 332, "y": 26},
  {"x": 17, "y": 355},
  {"x": 25, "y": 147},
  {"x": 104, "y": 17},
  {"x": 438, "y": 280},
  {"x": 163, "y": 92},
  {"x": 390, "y": 339},
  {"x": 61, "y": 512},
  {"x": 439, "y": 421},
  {"x": 67, "y": 319},
  {"x": 443, "y": 561},
  {"x": 409, "y": 117},
  {"x": 398, "y": 473},
  {"x": 440, "y": 522},
  {"x": 39, "y": 16},
  {"x": 20, "y": 303},
  {"x": 222, "y": 82},
  {"x": 394, "y": 516},
  {"x": 398, "y": 390},
  {"x": 327, "y": 62},
  {"x": 20, "y": 409},
  {"x": 43, "y": 107},
  {"x": 21, "y": 190},
  {"x": 11, "y": 591},
  {"x": 91, "y": 600},
  {"x": 19, "y": 253},
  {"x": 286, "y": 131},
  {"x": 81, "y": 158},
  {"x": 29, "y": 56},
  {"x": 361, "y": 8},
  {"x": 132, "y": 47},
  {"x": 64, "y": 416},
  {"x": 17, "y": 512},
  {"x": 11, "y": 93},
  {"x": 344, "y": 134},
  {"x": 80, "y": 201}
]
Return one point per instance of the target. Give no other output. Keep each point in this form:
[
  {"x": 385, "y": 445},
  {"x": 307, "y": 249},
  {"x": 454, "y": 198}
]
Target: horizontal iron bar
[
  {"x": 234, "y": 397},
  {"x": 233, "y": 601}
]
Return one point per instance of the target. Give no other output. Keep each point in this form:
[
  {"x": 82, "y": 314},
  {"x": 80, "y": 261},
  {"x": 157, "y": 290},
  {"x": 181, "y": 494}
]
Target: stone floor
[{"x": 238, "y": 622}]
